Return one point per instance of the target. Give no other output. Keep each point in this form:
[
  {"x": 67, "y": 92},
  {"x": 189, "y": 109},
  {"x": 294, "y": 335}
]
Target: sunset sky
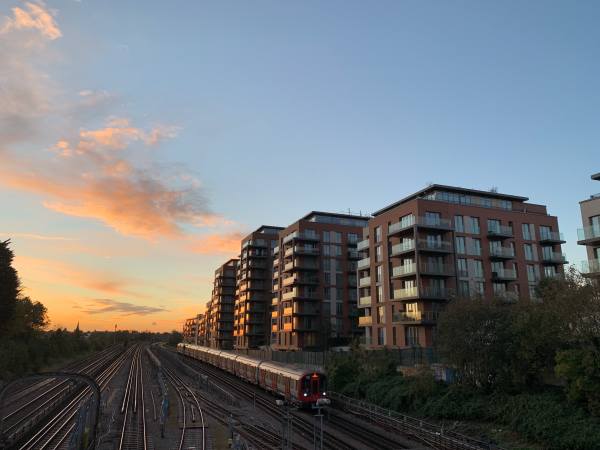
[{"x": 140, "y": 140}]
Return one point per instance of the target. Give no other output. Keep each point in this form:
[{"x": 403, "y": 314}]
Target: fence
[
  {"x": 430, "y": 434},
  {"x": 413, "y": 356}
]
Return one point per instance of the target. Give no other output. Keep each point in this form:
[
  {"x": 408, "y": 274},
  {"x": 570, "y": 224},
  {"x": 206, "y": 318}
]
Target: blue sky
[{"x": 286, "y": 107}]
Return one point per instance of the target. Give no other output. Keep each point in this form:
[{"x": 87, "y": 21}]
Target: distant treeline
[{"x": 26, "y": 346}]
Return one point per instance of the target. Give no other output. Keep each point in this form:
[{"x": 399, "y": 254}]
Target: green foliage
[
  {"x": 581, "y": 370},
  {"x": 174, "y": 338}
]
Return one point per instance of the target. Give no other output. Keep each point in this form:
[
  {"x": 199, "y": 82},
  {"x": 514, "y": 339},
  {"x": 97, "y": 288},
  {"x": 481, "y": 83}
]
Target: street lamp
[{"x": 320, "y": 404}]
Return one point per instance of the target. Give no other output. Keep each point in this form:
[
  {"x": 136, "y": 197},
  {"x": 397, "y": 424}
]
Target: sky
[{"x": 139, "y": 141}]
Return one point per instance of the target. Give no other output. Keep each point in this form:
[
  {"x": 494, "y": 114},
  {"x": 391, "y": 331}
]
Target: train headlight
[
  {"x": 324, "y": 393},
  {"x": 305, "y": 394}
]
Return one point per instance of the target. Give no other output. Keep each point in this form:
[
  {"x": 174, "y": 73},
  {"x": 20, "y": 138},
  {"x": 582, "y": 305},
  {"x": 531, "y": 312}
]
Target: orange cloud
[
  {"x": 36, "y": 18},
  {"x": 216, "y": 244}
]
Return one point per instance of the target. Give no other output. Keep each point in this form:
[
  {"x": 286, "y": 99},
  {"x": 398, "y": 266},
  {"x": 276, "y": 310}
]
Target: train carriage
[{"x": 295, "y": 383}]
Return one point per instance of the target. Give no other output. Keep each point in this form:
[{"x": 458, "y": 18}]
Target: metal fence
[
  {"x": 414, "y": 356},
  {"x": 433, "y": 435}
]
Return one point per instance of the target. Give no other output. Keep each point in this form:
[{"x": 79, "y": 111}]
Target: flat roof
[
  {"x": 341, "y": 216},
  {"x": 442, "y": 187},
  {"x": 596, "y": 177}
]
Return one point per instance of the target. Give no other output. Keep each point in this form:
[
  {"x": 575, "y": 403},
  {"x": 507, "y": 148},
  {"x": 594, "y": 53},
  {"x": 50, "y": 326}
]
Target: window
[
  {"x": 336, "y": 250},
  {"x": 326, "y": 236},
  {"x": 493, "y": 225},
  {"x": 352, "y": 238},
  {"x": 338, "y": 308},
  {"x": 339, "y": 279},
  {"x": 378, "y": 253},
  {"x": 480, "y": 288},
  {"x": 394, "y": 336},
  {"x": 432, "y": 218},
  {"x": 529, "y": 256},
  {"x": 379, "y": 293},
  {"x": 528, "y": 231},
  {"x": 472, "y": 225},
  {"x": 550, "y": 271},
  {"x": 545, "y": 232},
  {"x": 326, "y": 278},
  {"x": 377, "y": 234},
  {"x": 327, "y": 292},
  {"x": 460, "y": 245},
  {"x": 532, "y": 291},
  {"x": 463, "y": 271},
  {"x": 474, "y": 247},
  {"x": 336, "y": 237},
  {"x": 478, "y": 268},
  {"x": 463, "y": 288},
  {"x": 379, "y": 274},
  {"x": 459, "y": 224},
  {"x": 339, "y": 293},
  {"x": 381, "y": 314},
  {"x": 411, "y": 336},
  {"x": 381, "y": 336},
  {"x": 546, "y": 252},
  {"x": 531, "y": 276},
  {"x": 499, "y": 288}
]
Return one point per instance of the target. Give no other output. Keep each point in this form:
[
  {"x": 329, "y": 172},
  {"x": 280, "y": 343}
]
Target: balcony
[
  {"x": 257, "y": 264},
  {"x": 274, "y": 328},
  {"x": 365, "y": 321},
  {"x": 288, "y": 311},
  {"x": 591, "y": 268},
  {"x": 552, "y": 237},
  {"x": 434, "y": 223},
  {"x": 305, "y": 309},
  {"x": 502, "y": 253},
  {"x": 353, "y": 253},
  {"x": 365, "y": 282},
  {"x": 289, "y": 281},
  {"x": 364, "y": 302},
  {"x": 303, "y": 250},
  {"x": 362, "y": 245},
  {"x": 416, "y": 318},
  {"x": 402, "y": 248},
  {"x": 288, "y": 251},
  {"x": 553, "y": 258},
  {"x": 287, "y": 326},
  {"x": 364, "y": 263},
  {"x": 275, "y": 301},
  {"x": 504, "y": 275},
  {"x": 500, "y": 232},
  {"x": 401, "y": 226},
  {"x": 434, "y": 246},
  {"x": 436, "y": 269},
  {"x": 433, "y": 292},
  {"x": 302, "y": 236},
  {"x": 276, "y": 274},
  {"x": 404, "y": 293},
  {"x": 288, "y": 295},
  {"x": 404, "y": 271},
  {"x": 588, "y": 235},
  {"x": 289, "y": 266},
  {"x": 275, "y": 250}
]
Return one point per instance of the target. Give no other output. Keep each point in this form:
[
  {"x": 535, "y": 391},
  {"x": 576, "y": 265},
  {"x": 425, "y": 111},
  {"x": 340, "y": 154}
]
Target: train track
[
  {"x": 303, "y": 422},
  {"x": 133, "y": 431},
  {"x": 32, "y": 404},
  {"x": 56, "y": 431}
]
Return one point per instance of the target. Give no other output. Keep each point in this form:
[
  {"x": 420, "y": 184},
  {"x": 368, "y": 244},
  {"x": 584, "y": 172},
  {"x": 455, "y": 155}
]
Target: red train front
[{"x": 312, "y": 386}]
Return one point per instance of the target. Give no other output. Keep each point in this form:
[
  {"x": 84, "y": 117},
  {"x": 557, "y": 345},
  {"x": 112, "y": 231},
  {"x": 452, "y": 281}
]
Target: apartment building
[
  {"x": 220, "y": 312},
  {"x": 314, "y": 281},
  {"x": 443, "y": 242},
  {"x": 251, "y": 326},
  {"x": 191, "y": 329},
  {"x": 589, "y": 235}
]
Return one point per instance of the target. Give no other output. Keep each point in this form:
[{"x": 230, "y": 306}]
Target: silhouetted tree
[{"x": 9, "y": 285}]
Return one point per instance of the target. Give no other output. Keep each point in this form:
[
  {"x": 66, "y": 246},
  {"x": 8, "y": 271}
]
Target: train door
[
  {"x": 288, "y": 394},
  {"x": 314, "y": 384}
]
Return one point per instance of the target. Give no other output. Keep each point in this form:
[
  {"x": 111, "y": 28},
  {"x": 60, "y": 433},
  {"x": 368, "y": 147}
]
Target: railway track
[
  {"x": 29, "y": 406},
  {"x": 55, "y": 433},
  {"x": 133, "y": 431},
  {"x": 302, "y": 422}
]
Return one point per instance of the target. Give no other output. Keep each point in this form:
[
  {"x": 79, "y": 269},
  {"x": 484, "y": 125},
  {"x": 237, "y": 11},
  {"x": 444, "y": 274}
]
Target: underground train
[{"x": 296, "y": 384}]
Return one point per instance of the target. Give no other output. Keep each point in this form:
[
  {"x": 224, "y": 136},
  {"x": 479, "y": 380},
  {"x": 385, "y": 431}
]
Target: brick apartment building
[
  {"x": 589, "y": 235},
  {"x": 253, "y": 291},
  {"x": 314, "y": 281},
  {"x": 442, "y": 242},
  {"x": 219, "y": 314},
  {"x": 191, "y": 329}
]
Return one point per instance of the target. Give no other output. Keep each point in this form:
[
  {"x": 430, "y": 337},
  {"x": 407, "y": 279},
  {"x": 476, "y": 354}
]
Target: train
[{"x": 298, "y": 385}]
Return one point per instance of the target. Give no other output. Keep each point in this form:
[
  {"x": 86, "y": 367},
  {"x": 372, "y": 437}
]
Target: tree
[
  {"x": 10, "y": 285},
  {"x": 175, "y": 338},
  {"x": 581, "y": 370}
]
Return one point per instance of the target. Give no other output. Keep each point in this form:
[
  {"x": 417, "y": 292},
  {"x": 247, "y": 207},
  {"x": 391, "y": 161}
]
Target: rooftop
[{"x": 453, "y": 189}]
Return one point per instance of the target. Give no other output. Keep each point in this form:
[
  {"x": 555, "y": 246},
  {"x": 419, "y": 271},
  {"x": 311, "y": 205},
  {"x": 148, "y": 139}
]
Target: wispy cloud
[
  {"x": 216, "y": 244},
  {"x": 106, "y": 305},
  {"x": 37, "y": 237},
  {"x": 34, "y": 18}
]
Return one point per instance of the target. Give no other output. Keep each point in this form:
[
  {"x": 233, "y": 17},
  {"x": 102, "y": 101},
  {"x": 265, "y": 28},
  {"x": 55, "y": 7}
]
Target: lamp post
[{"x": 319, "y": 405}]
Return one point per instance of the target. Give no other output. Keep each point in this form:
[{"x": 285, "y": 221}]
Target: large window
[
  {"x": 377, "y": 234},
  {"x": 411, "y": 335},
  {"x": 478, "y": 268},
  {"x": 459, "y": 225},
  {"x": 528, "y": 231},
  {"x": 529, "y": 252},
  {"x": 460, "y": 245},
  {"x": 493, "y": 225},
  {"x": 463, "y": 270}
]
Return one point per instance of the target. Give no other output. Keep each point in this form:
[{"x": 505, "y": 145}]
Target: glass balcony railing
[
  {"x": 591, "y": 267},
  {"x": 365, "y": 321},
  {"x": 402, "y": 247},
  {"x": 502, "y": 252},
  {"x": 504, "y": 274},
  {"x": 364, "y": 301},
  {"x": 364, "y": 282},
  {"x": 435, "y": 292},
  {"x": 407, "y": 269},
  {"x": 362, "y": 245},
  {"x": 406, "y": 293},
  {"x": 554, "y": 257},
  {"x": 551, "y": 236},
  {"x": 437, "y": 246},
  {"x": 364, "y": 263},
  {"x": 434, "y": 222},
  {"x": 588, "y": 233},
  {"x": 416, "y": 317},
  {"x": 500, "y": 231},
  {"x": 402, "y": 225},
  {"x": 428, "y": 268}
]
